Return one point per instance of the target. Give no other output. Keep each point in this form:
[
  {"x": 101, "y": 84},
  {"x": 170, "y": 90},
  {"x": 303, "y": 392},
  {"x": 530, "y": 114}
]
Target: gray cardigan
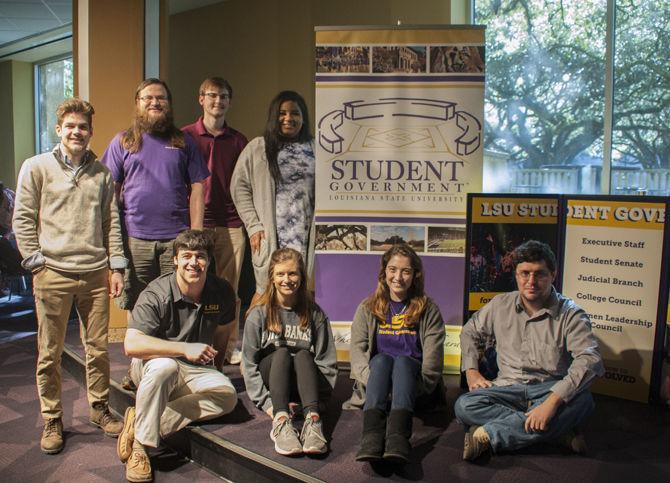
[
  {"x": 257, "y": 338},
  {"x": 253, "y": 192},
  {"x": 363, "y": 345}
]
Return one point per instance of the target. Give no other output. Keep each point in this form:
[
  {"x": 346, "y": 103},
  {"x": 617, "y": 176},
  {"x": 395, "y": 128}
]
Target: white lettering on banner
[{"x": 588, "y": 212}]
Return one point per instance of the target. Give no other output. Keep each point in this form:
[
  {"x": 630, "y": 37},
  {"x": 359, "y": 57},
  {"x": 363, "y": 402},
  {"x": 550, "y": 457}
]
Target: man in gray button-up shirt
[{"x": 547, "y": 358}]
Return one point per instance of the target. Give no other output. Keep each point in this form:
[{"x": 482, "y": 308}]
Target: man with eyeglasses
[
  {"x": 177, "y": 336},
  {"x": 547, "y": 358},
  {"x": 159, "y": 175},
  {"x": 220, "y": 146},
  {"x": 67, "y": 228}
]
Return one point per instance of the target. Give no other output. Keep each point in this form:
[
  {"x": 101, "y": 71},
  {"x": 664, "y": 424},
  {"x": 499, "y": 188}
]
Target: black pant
[{"x": 291, "y": 376}]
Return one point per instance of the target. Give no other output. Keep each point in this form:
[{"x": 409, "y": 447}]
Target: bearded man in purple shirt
[
  {"x": 220, "y": 146},
  {"x": 159, "y": 175}
]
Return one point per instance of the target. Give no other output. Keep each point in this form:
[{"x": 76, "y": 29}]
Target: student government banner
[
  {"x": 614, "y": 268},
  {"x": 399, "y": 144}
]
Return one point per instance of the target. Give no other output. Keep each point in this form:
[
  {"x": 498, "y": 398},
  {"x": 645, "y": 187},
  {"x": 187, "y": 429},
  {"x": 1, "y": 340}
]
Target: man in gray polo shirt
[
  {"x": 177, "y": 337},
  {"x": 547, "y": 358}
]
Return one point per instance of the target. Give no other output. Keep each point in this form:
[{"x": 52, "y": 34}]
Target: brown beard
[{"x": 158, "y": 125}]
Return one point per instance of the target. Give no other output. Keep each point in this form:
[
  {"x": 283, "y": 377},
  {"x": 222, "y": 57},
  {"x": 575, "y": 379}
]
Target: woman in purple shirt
[{"x": 397, "y": 351}]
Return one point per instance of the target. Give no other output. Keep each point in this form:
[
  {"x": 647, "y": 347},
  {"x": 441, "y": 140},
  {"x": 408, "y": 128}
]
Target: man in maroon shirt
[{"x": 220, "y": 146}]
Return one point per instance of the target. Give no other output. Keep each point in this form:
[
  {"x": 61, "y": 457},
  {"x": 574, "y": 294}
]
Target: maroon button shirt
[{"x": 221, "y": 153}]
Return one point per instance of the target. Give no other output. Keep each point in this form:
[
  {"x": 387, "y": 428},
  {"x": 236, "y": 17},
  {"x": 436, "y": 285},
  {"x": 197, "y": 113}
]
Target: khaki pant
[
  {"x": 172, "y": 394},
  {"x": 229, "y": 245},
  {"x": 54, "y": 294}
]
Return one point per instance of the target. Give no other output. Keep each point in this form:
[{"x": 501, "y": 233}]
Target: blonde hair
[
  {"x": 304, "y": 303},
  {"x": 378, "y": 302}
]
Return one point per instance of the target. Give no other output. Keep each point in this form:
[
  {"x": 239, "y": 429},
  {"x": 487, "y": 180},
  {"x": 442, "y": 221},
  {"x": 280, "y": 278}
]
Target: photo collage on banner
[
  {"x": 615, "y": 269},
  {"x": 399, "y": 135},
  {"x": 498, "y": 224}
]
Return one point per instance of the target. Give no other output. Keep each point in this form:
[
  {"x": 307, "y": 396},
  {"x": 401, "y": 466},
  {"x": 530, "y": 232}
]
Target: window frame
[
  {"x": 608, "y": 114},
  {"x": 38, "y": 95}
]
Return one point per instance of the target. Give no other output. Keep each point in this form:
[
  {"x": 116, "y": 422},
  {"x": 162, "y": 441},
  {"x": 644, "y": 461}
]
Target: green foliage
[{"x": 546, "y": 77}]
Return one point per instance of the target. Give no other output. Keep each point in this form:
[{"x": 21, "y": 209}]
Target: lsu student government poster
[
  {"x": 399, "y": 144},
  {"x": 613, "y": 268},
  {"x": 498, "y": 224}
]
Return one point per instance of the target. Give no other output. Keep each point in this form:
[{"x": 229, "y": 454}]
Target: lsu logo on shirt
[
  {"x": 212, "y": 309},
  {"x": 397, "y": 323}
]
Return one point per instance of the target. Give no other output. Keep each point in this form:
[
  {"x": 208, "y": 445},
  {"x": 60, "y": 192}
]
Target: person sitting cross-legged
[{"x": 547, "y": 357}]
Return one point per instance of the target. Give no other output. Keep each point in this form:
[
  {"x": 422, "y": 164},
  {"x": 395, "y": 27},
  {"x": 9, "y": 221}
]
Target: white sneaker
[
  {"x": 236, "y": 357},
  {"x": 285, "y": 436},
  {"x": 312, "y": 438}
]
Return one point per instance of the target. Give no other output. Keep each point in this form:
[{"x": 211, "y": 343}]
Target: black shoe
[
  {"x": 398, "y": 432},
  {"x": 372, "y": 441}
]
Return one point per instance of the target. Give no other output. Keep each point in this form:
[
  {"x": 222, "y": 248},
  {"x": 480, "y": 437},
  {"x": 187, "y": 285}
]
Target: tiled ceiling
[{"x": 24, "y": 18}]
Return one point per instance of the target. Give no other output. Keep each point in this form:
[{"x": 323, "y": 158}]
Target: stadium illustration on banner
[{"x": 414, "y": 133}]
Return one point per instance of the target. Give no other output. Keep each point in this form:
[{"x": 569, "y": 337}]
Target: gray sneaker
[
  {"x": 313, "y": 440},
  {"x": 285, "y": 436}
]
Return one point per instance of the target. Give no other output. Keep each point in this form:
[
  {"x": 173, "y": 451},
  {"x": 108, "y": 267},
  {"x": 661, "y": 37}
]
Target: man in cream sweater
[{"x": 67, "y": 229}]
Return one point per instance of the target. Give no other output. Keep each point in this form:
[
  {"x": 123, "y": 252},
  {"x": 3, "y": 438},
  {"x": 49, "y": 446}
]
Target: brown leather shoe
[
  {"x": 101, "y": 417},
  {"x": 138, "y": 467},
  {"x": 52, "y": 436},
  {"x": 124, "y": 445}
]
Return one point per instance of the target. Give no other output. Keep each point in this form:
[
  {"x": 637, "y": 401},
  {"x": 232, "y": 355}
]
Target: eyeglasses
[
  {"x": 150, "y": 99},
  {"x": 214, "y": 95},
  {"x": 540, "y": 275}
]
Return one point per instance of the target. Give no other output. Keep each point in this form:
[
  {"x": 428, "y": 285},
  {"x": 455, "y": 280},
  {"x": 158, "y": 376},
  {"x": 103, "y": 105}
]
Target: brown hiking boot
[
  {"x": 138, "y": 467},
  {"x": 101, "y": 417},
  {"x": 124, "y": 445},
  {"x": 52, "y": 436}
]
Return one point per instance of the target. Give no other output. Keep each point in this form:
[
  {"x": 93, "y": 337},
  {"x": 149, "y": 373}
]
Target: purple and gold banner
[{"x": 399, "y": 144}]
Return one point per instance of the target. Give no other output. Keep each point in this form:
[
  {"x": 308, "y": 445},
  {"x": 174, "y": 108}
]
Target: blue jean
[
  {"x": 392, "y": 375},
  {"x": 501, "y": 410}
]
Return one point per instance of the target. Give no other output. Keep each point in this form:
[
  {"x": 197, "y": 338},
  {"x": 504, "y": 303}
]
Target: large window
[
  {"x": 54, "y": 82},
  {"x": 553, "y": 122},
  {"x": 641, "y": 128}
]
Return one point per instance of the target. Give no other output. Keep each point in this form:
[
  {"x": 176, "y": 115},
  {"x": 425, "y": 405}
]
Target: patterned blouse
[{"x": 295, "y": 196}]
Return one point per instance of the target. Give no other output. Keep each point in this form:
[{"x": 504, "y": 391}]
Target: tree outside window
[
  {"x": 545, "y": 98},
  {"x": 55, "y": 83}
]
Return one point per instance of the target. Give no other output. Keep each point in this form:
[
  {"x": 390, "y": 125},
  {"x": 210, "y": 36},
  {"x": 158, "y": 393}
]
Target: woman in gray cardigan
[
  {"x": 273, "y": 186},
  {"x": 397, "y": 351}
]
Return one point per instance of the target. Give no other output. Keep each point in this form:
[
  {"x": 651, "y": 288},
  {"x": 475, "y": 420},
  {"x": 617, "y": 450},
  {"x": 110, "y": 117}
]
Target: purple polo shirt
[
  {"x": 221, "y": 153},
  {"x": 156, "y": 185}
]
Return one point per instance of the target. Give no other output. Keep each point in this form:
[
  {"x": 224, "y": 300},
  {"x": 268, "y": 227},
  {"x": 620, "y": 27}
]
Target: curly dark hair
[
  {"x": 194, "y": 240},
  {"x": 272, "y": 135},
  {"x": 534, "y": 251}
]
